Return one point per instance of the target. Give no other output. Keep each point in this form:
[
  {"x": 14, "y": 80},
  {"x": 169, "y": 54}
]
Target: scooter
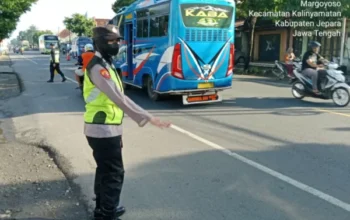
[
  {"x": 280, "y": 70},
  {"x": 333, "y": 86}
]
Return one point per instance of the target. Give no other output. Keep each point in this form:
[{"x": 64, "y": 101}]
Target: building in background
[
  {"x": 66, "y": 36},
  {"x": 101, "y": 22}
]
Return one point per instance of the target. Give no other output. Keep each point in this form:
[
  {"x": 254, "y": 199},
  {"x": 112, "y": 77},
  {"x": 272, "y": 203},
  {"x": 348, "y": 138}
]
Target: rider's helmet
[
  {"x": 314, "y": 44},
  {"x": 88, "y": 47}
]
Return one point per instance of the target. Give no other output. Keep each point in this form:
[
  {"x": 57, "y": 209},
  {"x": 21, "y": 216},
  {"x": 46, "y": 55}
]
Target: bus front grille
[{"x": 206, "y": 35}]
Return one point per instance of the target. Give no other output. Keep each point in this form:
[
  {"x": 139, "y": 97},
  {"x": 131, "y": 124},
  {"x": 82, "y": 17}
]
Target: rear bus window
[{"x": 206, "y": 15}]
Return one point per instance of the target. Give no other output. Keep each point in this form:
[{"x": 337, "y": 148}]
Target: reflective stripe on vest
[
  {"x": 57, "y": 56},
  {"x": 99, "y": 108}
]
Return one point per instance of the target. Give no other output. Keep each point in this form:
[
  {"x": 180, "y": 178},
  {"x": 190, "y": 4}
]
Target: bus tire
[{"x": 150, "y": 91}]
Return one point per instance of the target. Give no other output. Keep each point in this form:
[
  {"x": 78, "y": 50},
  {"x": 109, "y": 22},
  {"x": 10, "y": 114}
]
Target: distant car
[{"x": 240, "y": 57}]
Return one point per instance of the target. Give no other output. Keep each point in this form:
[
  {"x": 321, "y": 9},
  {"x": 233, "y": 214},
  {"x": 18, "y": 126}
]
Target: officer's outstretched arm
[{"x": 106, "y": 85}]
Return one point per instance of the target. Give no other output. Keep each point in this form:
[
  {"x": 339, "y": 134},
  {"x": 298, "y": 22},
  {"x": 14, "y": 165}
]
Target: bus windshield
[
  {"x": 206, "y": 15},
  {"x": 51, "y": 37},
  {"x": 48, "y": 44},
  {"x": 84, "y": 41}
]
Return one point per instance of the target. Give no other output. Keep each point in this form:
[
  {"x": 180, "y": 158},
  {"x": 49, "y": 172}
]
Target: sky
[{"x": 49, "y": 14}]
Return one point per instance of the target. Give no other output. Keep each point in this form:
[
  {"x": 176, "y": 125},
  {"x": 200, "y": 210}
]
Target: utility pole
[{"x": 343, "y": 42}]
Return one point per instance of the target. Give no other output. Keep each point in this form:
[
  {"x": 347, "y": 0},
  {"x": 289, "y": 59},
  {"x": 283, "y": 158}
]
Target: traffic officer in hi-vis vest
[
  {"x": 105, "y": 108},
  {"x": 55, "y": 64}
]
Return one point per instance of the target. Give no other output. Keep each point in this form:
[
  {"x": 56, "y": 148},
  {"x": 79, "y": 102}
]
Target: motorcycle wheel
[
  {"x": 297, "y": 87},
  {"x": 341, "y": 97},
  {"x": 278, "y": 73}
]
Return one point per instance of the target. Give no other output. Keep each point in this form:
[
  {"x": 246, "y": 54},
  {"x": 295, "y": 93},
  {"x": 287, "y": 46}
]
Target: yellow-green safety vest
[
  {"x": 99, "y": 108},
  {"x": 57, "y": 56}
]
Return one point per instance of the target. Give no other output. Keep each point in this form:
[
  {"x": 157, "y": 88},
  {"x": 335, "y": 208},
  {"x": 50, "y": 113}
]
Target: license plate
[
  {"x": 202, "y": 98},
  {"x": 205, "y": 85}
]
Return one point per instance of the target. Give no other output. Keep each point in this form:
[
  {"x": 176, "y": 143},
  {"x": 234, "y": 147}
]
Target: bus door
[{"x": 130, "y": 45}]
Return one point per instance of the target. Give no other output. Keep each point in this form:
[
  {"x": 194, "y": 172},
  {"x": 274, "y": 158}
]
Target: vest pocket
[{"x": 99, "y": 118}]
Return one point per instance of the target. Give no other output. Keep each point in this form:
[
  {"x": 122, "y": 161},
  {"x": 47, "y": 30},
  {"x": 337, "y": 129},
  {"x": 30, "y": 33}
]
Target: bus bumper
[
  {"x": 175, "y": 86},
  {"x": 197, "y": 92}
]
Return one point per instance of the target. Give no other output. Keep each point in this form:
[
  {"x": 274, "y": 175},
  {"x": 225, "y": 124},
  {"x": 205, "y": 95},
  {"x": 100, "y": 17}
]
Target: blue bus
[
  {"x": 177, "y": 47},
  {"x": 78, "y": 45}
]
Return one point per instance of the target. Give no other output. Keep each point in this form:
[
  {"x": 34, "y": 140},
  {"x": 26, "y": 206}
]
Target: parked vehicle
[
  {"x": 240, "y": 57},
  {"x": 332, "y": 87},
  {"x": 280, "y": 70}
]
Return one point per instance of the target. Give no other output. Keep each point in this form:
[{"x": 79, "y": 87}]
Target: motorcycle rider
[
  {"x": 83, "y": 61},
  {"x": 312, "y": 65}
]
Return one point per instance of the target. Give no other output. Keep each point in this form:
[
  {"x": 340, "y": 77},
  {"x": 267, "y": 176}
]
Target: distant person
[
  {"x": 55, "y": 64},
  {"x": 288, "y": 59},
  {"x": 84, "y": 60}
]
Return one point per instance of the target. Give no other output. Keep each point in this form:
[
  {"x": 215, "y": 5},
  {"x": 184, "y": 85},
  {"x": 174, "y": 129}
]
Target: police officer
[
  {"x": 55, "y": 64},
  {"x": 105, "y": 108}
]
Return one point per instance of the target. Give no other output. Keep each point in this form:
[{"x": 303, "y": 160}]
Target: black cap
[
  {"x": 52, "y": 44},
  {"x": 314, "y": 44},
  {"x": 107, "y": 33}
]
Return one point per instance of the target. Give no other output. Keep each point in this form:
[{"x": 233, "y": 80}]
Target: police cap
[{"x": 108, "y": 33}]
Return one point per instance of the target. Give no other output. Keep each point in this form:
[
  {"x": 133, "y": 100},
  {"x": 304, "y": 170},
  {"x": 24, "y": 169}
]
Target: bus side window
[
  {"x": 159, "y": 26},
  {"x": 163, "y": 27},
  {"x": 154, "y": 27}
]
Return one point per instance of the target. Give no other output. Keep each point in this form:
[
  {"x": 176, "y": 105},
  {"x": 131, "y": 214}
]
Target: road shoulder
[{"x": 31, "y": 183}]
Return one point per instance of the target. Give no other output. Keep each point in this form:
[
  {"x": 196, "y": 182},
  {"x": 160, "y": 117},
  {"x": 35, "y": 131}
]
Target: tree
[
  {"x": 11, "y": 10},
  {"x": 14, "y": 42},
  {"x": 243, "y": 9},
  {"x": 79, "y": 24},
  {"x": 118, "y": 4}
]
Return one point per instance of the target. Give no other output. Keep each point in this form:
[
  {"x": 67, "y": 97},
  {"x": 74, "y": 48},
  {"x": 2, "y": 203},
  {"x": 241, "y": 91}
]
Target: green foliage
[
  {"x": 31, "y": 35},
  {"x": 11, "y": 10},
  {"x": 37, "y": 35},
  {"x": 14, "y": 42},
  {"x": 79, "y": 24},
  {"x": 118, "y": 4}
]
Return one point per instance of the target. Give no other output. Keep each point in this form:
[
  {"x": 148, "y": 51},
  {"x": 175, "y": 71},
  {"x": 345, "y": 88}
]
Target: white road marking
[
  {"x": 284, "y": 178},
  {"x": 72, "y": 80},
  {"x": 30, "y": 60}
]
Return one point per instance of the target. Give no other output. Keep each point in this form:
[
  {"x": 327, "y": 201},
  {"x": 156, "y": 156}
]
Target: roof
[
  {"x": 101, "y": 21},
  {"x": 64, "y": 33}
]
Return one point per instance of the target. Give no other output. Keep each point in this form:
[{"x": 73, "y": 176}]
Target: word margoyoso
[{"x": 320, "y": 4}]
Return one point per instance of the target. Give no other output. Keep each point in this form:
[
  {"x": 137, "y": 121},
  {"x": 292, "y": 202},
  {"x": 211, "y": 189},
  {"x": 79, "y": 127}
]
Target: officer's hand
[
  {"x": 160, "y": 124},
  {"x": 53, "y": 64}
]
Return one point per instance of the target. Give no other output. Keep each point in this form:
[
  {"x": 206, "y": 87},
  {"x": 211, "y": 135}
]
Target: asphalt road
[{"x": 260, "y": 154}]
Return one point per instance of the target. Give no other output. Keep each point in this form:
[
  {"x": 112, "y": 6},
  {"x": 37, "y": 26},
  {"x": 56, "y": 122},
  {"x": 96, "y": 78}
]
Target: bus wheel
[{"x": 150, "y": 91}]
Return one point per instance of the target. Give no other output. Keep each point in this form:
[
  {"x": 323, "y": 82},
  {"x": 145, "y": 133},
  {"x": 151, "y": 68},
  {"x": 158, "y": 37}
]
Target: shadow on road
[
  {"x": 44, "y": 200},
  {"x": 263, "y": 81}
]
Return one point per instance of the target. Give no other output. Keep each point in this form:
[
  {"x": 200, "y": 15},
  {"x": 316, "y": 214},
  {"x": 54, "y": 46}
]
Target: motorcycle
[
  {"x": 280, "y": 69},
  {"x": 333, "y": 86}
]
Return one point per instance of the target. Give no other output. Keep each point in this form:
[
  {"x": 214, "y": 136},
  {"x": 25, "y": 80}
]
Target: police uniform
[
  {"x": 105, "y": 108},
  {"x": 55, "y": 64}
]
